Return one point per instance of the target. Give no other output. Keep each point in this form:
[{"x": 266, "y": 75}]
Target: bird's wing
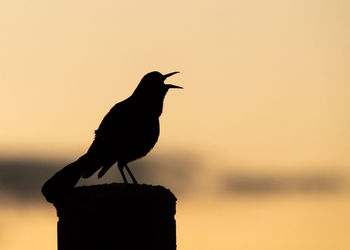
[
  {"x": 109, "y": 137},
  {"x": 116, "y": 128},
  {"x": 114, "y": 121}
]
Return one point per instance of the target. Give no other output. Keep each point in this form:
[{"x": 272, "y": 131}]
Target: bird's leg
[
  {"x": 132, "y": 177},
  {"x": 120, "y": 166}
]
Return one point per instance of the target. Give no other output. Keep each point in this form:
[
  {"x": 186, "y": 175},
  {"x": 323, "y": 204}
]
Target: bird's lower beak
[{"x": 171, "y": 86}]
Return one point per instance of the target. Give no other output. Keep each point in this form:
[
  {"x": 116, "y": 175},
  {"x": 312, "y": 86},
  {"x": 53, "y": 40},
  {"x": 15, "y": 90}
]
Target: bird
[{"x": 127, "y": 132}]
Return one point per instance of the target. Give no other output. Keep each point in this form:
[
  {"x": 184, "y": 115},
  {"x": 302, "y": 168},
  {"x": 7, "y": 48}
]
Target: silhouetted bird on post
[{"x": 128, "y": 131}]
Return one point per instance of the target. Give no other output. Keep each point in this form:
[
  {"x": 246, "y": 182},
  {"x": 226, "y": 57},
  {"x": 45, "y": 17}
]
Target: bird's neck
[{"x": 151, "y": 106}]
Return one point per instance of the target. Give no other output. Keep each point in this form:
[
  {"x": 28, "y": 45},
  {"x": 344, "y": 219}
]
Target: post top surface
[{"x": 114, "y": 196}]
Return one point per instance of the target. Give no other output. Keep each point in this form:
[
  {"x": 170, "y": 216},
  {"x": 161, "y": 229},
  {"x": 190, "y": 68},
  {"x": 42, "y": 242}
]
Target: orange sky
[
  {"x": 266, "y": 82},
  {"x": 266, "y": 86}
]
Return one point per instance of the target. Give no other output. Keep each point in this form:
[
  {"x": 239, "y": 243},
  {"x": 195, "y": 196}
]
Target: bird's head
[
  {"x": 151, "y": 91},
  {"x": 152, "y": 86}
]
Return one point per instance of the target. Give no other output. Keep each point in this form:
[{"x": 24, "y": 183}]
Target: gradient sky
[
  {"x": 266, "y": 87},
  {"x": 266, "y": 82}
]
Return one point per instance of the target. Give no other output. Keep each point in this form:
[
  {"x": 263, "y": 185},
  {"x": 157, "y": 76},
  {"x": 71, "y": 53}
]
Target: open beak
[{"x": 171, "y": 86}]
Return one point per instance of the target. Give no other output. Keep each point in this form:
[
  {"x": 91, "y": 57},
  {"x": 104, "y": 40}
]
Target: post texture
[{"x": 117, "y": 216}]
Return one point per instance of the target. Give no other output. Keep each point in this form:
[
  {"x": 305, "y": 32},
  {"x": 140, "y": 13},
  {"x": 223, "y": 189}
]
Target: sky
[
  {"x": 266, "y": 83},
  {"x": 266, "y": 88}
]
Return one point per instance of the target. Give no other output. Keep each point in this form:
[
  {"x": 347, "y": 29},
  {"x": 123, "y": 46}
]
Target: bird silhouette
[{"x": 128, "y": 132}]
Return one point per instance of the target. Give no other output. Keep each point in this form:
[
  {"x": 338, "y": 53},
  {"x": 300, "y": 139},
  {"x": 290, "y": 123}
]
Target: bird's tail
[{"x": 64, "y": 180}]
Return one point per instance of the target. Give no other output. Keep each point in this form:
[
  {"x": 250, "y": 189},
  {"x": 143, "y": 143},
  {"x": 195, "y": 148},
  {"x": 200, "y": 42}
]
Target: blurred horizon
[{"x": 21, "y": 179}]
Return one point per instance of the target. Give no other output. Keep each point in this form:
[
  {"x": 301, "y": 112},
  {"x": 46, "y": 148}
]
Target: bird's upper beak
[
  {"x": 170, "y": 74},
  {"x": 171, "y": 86}
]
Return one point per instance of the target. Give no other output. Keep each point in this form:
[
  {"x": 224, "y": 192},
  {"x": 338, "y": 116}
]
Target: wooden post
[{"x": 117, "y": 216}]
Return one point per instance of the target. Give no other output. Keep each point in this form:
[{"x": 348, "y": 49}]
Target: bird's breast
[{"x": 140, "y": 137}]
